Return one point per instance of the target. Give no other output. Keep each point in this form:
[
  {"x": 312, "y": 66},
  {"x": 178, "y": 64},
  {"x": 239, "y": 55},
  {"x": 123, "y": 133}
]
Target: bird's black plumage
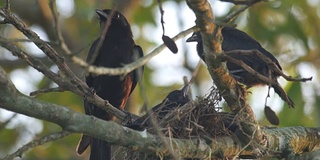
[
  {"x": 234, "y": 39},
  {"x": 174, "y": 99},
  {"x": 117, "y": 49}
]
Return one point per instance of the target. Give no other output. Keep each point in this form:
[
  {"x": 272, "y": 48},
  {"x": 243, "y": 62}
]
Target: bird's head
[
  {"x": 180, "y": 96},
  {"x": 118, "y": 22},
  {"x": 196, "y": 37}
]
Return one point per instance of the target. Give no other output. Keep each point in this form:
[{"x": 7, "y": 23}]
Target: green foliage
[
  {"x": 296, "y": 116},
  {"x": 266, "y": 21},
  {"x": 8, "y": 142}
]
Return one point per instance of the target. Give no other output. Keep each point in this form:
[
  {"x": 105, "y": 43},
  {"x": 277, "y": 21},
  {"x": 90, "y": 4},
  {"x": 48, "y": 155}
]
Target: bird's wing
[{"x": 137, "y": 73}]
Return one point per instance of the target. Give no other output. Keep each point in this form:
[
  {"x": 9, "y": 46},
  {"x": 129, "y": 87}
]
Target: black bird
[
  {"x": 174, "y": 99},
  {"x": 117, "y": 49},
  {"x": 234, "y": 39}
]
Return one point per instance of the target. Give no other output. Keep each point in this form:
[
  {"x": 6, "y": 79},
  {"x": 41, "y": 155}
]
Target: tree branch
[
  {"x": 73, "y": 84},
  {"x": 264, "y": 58},
  {"x": 288, "y": 141},
  {"x": 34, "y": 143},
  {"x": 69, "y": 81},
  {"x": 234, "y": 94}
]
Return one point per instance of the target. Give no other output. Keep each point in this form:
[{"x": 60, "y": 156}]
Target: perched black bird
[
  {"x": 117, "y": 49},
  {"x": 234, "y": 39},
  {"x": 174, "y": 99}
]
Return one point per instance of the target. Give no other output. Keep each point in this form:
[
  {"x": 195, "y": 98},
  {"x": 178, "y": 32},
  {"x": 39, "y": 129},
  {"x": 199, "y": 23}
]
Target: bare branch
[
  {"x": 27, "y": 40},
  {"x": 250, "y": 134},
  {"x": 34, "y": 143},
  {"x": 47, "y": 90},
  {"x": 102, "y": 36},
  {"x": 132, "y": 66},
  {"x": 264, "y": 58},
  {"x": 234, "y": 95},
  {"x": 67, "y": 84},
  {"x": 35, "y": 63},
  {"x": 293, "y": 140},
  {"x": 91, "y": 69},
  {"x": 217, "y": 69},
  {"x": 70, "y": 81},
  {"x": 234, "y": 14},
  {"x": 56, "y": 26},
  {"x": 7, "y": 4},
  {"x": 47, "y": 49}
]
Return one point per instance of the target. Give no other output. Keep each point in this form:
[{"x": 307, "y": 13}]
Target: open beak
[{"x": 193, "y": 38}]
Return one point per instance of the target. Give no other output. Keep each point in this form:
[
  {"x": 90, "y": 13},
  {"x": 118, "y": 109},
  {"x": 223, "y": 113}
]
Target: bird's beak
[
  {"x": 193, "y": 38},
  {"x": 101, "y": 14},
  {"x": 185, "y": 90}
]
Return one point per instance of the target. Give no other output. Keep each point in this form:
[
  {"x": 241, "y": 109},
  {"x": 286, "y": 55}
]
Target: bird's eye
[{"x": 117, "y": 16}]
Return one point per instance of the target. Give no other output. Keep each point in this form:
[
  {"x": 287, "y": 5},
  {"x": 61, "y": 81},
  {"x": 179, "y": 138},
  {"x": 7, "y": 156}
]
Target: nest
[
  {"x": 194, "y": 119},
  {"x": 201, "y": 118}
]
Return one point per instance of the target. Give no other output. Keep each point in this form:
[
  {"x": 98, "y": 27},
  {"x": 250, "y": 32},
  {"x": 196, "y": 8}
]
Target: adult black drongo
[
  {"x": 117, "y": 49},
  {"x": 234, "y": 39}
]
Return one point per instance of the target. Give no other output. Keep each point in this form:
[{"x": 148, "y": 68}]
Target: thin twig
[
  {"x": 278, "y": 70},
  {"x": 246, "y": 67},
  {"x": 51, "y": 53},
  {"x": 102, "y": 36},
  {"x": 252, "y": 140},
  {"x": 264, "y": 58},
  {"x": 34, "y": 62},
  {"x": 161, "y": 13},
  {"x": 7, "y": 7},
  {"x": 131, "y": 66},
  {"x": 47, "y": 90},
  {"x": 156, "y": 127},
  {"x": 234, "y": 14},
  {"x": 70, "y": 81},
  {"x": 138, "y": 63},
  {"x": 77, "y": 87},
  {"x": 28, "y": 40},
  {"x": 47, "y": 49},
  {"x": 34, "y": 143},
  {"x": 128, "y": 67},
  {"x": 56, "y": 26}
]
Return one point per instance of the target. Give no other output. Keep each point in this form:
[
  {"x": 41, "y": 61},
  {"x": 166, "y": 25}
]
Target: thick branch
[
  {"x": 12, "y": 100},
  {"x": 70, "y": 81},
  {"x": 234, "y": 95},
  {"x": 212, "y": 45},
  {"x": 64, "y": 84},
  {"x": 47, "y": 49},
  {"x": 288, "y": 141}
]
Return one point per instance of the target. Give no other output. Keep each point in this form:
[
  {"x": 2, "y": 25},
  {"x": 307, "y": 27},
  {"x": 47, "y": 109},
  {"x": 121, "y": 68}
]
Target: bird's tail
[
  {"x": 83, "y": 144},
  {"x": 282, "y": 94},
  {"x": 100, "y": 150}
]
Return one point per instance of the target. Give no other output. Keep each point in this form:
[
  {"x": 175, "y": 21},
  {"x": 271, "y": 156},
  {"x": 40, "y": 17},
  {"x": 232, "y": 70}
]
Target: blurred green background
[{"x": 288, "y": 29}]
